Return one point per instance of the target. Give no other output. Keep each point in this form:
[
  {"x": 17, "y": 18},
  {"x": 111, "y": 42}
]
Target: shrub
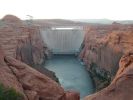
[{"x": 9, "y": 94}]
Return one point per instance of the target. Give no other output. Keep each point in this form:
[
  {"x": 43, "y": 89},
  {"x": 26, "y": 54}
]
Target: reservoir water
[{"x": 72, "y": 75}]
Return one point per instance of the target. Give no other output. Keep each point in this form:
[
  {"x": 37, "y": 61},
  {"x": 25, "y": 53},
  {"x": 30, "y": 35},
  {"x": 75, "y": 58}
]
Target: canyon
[{"x": 106, "y": 53}]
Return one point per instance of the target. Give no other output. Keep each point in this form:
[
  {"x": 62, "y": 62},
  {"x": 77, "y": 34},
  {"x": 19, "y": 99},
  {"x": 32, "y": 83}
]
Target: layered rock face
[
  {"x": 121, "y": 87},
  {"x": 31, "y": 49},
  {"x": 104, "y": 55},
  {"x": 103, "y": 48},
  {"x": 103, "y": 43},
  {"x": 36, "y": 85},
  {"x": 7, "y": 78},
  {"x": 23, "y": 42},
  {"x": 30, "y": 83}
]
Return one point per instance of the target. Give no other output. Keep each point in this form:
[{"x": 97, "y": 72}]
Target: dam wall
[{"x": 66, "y": 40}]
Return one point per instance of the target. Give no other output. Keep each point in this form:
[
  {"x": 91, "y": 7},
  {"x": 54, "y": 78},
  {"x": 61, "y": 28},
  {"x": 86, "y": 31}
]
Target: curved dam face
[
  {"x": 64, "y": 43},
  {"x": 63, "y": 40}
]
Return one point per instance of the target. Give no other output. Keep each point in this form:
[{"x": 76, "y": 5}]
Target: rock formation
[
  {"x": 7, "y": 78},
  {"x": 121, "y": 86},
  {"x": 103, "y": 48},
  {"x": 30, "y": 83},
  {"x": 20, "y": 43},
  {"x": 35, "y": 83},
  {"x": 105, "y": 54},
  {"x": 23, "y": 42}
]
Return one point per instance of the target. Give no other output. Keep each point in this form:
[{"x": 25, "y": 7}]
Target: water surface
[{"x": 72, "y": 75}]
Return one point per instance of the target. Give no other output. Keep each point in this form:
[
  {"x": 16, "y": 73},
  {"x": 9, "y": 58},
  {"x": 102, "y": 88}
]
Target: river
[{"x": 72, "y": 75}]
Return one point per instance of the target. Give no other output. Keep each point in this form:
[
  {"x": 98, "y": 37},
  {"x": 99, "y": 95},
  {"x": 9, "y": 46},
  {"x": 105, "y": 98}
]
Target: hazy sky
[{"x": 68, "y": 9}]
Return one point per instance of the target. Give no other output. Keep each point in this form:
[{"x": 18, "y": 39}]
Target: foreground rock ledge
[
  {"x": 30, "y": 83},
  {"x": 121, "y": 86},
  {"x": 36, "y": 85}
]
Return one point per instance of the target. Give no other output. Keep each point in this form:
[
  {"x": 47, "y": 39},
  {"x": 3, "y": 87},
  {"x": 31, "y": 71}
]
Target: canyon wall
[
  {"x": 23, "y": 42},
  {"x": 121, "y": 86},
  {"x": 20, "y": 46},
  {"x": 106, "y": 54},
  {"x": 103, "y": 47},
  {"x": 29, "y": 82}
]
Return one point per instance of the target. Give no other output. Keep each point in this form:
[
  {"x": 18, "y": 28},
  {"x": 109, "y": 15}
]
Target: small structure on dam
[{"x": 63, "y": 39}]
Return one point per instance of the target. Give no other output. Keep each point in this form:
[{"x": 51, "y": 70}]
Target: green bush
[{"x": 9, "y": 94}]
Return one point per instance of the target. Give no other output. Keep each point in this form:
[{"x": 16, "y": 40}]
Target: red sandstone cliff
[
  {"x": 23, "y": 42},
  {"x": 103, "y": 48},
  {"x": 104, "y": 55},
  {"x": 7, "y": 77},
  {"x": 121, "y": 87},
  {"x": 36, "y": 85},
  {"x": 30, "y": 83},
  {"x": 105, "y": 42}
]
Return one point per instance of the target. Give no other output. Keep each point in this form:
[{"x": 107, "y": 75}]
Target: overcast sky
[{"x": 68, "y": 9}]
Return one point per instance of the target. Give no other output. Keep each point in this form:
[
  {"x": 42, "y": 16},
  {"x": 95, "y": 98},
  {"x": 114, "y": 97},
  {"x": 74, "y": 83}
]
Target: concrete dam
[
  {"x": 63, "y": 40},
  {"x": 65, "y": 43}
]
